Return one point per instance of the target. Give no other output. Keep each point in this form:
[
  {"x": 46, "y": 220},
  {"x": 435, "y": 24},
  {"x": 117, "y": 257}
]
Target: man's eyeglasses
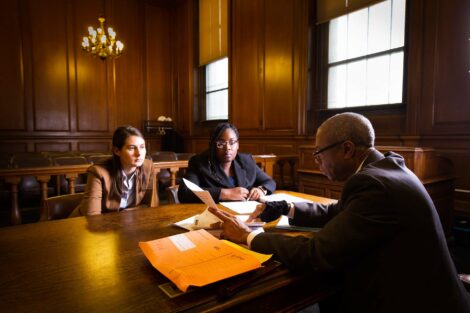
[
  {"x": 220, "y": 144},
  {"x": 317, "y": 152}
]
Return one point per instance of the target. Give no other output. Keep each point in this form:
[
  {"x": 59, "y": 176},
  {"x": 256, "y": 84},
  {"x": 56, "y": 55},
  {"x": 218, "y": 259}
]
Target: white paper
[
  {"x": 190, "y": 222},
  {"x": 192, "y": 186},
  {"x": 182, "y": 242},
  {"x": 206, "y": 219},
  {"x": 187, "y": 223},
  {"x": 285, "y": 197},
  {"x": 241, "y": 207},
  {"x": 204, "y": 195}
]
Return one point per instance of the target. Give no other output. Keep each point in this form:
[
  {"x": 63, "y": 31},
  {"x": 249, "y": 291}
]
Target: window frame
[
  {"x": 323, "y": 69},
  {"x": 202, "y": 96},
  {"x": 205, "y": 93}
]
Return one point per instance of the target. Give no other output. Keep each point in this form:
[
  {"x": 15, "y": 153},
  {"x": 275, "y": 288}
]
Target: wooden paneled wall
[
  {"x": 269, "y": 66},
  {"x": 54, "y": 96}
]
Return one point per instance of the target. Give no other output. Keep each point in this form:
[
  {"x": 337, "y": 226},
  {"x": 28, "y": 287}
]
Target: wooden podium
[{"x": 434, "y": 171}]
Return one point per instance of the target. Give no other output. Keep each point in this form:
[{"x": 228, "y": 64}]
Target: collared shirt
[{"x": 128, "y": 190}]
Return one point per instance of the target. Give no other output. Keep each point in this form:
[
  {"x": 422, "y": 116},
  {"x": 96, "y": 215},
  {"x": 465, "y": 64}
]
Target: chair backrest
[
  {"x": 33, "y": 159},
  {"x": 70, "y": 160},
  {"x": 60, "y": 207},
  {"x": 172, "y": 194},
  {"x": 55, "y": 154},
  {"x": 163, "y": 156},
  {"x": 80, "y": 182},
  {"x": 98, "y": 158}
]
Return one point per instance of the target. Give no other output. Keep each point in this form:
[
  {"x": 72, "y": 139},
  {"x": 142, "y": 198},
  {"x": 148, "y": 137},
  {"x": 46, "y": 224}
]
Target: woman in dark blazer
[{"x": 225, "y": 173}]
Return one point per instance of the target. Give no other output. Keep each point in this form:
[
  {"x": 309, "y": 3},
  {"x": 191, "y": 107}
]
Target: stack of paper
[{"x": 197, "y": 258}]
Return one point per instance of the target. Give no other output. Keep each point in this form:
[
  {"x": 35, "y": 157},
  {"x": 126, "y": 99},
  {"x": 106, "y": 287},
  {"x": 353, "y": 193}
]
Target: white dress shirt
[{"x": 128, "y": 190}]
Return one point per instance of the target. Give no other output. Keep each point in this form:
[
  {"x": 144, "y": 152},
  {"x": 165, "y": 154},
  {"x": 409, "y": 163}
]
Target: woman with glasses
[
  {"x": 123, "y": 181},
  {"x": 225, "y": 173}
]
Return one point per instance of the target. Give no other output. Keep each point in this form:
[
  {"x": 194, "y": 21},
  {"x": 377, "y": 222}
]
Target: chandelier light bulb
[
  {"x": 111, "y": 33},
  {"x": 85, "y": 42},
  {"x": 119, "y": 46}
]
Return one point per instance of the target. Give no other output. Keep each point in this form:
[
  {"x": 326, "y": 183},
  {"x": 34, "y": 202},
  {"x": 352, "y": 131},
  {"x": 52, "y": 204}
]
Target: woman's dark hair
[
  {"x": 216, "y": 133},
  {"x": 114, "y": 164}
]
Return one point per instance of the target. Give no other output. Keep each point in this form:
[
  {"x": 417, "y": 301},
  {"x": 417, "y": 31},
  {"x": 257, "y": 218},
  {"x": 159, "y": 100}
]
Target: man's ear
[{"x": 349, "y": 149}]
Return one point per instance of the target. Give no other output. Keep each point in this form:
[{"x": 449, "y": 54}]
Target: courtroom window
[
  {"x": 365, "y": 58},
  {"x": 217, "y": 90}
]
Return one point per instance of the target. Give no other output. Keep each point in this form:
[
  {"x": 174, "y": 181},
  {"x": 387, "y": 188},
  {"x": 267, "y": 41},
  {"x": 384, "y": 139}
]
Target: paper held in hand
[
  {"x": 204, "y": 195},
  {"x": 206, "y": 219},
  {"x": 197, "y": 258}
]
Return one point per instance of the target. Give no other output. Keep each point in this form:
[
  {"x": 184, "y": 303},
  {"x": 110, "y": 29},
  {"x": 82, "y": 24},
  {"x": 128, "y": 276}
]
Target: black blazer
[
  {"x": 247, "y": 175},
  {"x": 383, "y": 237}
]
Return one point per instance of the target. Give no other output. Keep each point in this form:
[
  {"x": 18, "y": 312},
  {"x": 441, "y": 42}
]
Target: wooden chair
[
  {"x": 172, "y": 194},
  {"x": 60, "y": 207},
  {"x": 164, "y": 176},
  {"x": 30, "y": 188},
  {"x": 80, "y": 181}
]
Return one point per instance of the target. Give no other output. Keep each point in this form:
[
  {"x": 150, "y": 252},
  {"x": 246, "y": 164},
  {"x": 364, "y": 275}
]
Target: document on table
[
  {"x": 194, "y": 222},
  {"x": 205, "y": 220},
  {"x": 285, "y": 197},
  {"x": 197, "y": 258},
  {"x": 241, "y": 207}
]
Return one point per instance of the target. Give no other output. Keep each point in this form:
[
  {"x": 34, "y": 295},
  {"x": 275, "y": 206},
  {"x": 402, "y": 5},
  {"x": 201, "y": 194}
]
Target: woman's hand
[
  {"x": 237, "y": 193},
  {"x": 255, "y": 194}
]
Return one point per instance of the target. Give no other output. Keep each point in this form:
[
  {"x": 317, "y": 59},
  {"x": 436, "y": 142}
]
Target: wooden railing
[
  {"x": 44, "y": 175},
  {"x": 267, "y": 162}
]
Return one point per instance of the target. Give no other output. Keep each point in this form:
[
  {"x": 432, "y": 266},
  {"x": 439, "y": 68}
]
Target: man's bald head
[{"x": 348, "y": 126}]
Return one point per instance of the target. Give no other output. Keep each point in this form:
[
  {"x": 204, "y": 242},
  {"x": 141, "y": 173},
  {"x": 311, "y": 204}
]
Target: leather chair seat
[{"x": 60, "y": 207}]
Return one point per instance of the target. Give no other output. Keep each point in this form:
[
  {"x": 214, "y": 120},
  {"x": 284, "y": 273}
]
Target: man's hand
[
  {"x": 270, "y": 211},
  {"x": 233, "y": 229},
  {"x": 237, "y": 194},
  {"x": 254, "y": 217}
]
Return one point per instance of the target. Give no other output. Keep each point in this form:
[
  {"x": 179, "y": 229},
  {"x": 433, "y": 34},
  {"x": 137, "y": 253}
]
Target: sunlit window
[
  {"x": 217, "y": 90},
  {"x": 366, "y": 56}
]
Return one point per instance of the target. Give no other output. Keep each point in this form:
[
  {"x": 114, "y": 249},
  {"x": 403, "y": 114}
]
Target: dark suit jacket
[
  {"x": 384, "y": 237},
  {"x": 247, "y": 174}
]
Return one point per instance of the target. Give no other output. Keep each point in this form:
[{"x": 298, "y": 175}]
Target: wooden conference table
[{"x": 94, "y": 264}]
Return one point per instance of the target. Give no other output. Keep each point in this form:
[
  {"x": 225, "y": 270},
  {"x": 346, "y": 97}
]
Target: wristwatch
[{"x": 264, "y": 190}]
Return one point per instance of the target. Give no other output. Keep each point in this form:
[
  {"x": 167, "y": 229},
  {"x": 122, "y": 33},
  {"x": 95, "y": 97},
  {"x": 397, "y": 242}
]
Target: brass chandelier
[{"x": 102, "y": 44}]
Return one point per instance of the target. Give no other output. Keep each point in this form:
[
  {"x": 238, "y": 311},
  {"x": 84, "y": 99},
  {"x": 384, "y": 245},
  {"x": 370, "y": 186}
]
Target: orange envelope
[{"x": 197, "y": 258}]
